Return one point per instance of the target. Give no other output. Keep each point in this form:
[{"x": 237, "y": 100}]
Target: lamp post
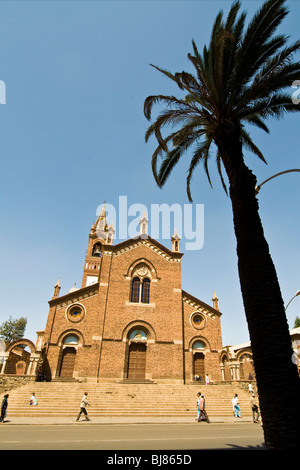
[
  {"x": 297, "y": 293},
  {"x": 257, "y": 188}
]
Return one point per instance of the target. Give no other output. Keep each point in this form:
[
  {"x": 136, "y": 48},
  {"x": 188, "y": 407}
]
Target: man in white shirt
[{"x": 84, "y": 403}]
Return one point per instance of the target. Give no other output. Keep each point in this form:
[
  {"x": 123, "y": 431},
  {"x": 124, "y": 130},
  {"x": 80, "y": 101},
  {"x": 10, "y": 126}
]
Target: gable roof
[
  {"x": 199, "y": 304},
  {"x": 143, "y": 240}
]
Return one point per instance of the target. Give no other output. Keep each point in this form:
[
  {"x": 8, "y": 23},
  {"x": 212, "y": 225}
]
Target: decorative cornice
[
  {"x": 200, "y": 306},
  {"x": 152, "y": 244},
  {"x": 75, "y": 296}
]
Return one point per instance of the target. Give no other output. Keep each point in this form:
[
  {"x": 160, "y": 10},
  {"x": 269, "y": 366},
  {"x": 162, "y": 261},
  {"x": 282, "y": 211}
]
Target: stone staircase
[{"x": 61, "y": 399}]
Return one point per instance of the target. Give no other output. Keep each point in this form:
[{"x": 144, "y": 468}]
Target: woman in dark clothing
[{"x": 4, "y": 408}]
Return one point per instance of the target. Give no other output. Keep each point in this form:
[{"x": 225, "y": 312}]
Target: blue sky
[{"x": 72, "y": 135}]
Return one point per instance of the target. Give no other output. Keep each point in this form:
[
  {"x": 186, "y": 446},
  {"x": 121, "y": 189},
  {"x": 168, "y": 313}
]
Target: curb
[{"x": 117, "y": 421}]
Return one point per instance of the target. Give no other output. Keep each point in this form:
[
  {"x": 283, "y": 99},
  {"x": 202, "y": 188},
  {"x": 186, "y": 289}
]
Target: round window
[
  {"x": 198, "y": 320},
  {"x": 75, "y": 313}
]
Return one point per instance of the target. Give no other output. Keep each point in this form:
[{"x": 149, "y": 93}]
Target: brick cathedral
[{"x": 130, "y": 319}]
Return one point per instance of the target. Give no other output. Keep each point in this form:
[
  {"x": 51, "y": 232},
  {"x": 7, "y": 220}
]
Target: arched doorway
[
  {"x": 245, "y": 367},
  {"x": 20, "y": 358},
  {"x": 199, "y": 360},
  {"x": 137, "y": 355},
  {"x": 67, "y": 362},
  {"x": 68, "y": 356},
  {"x": 225, "y": 369},
  {"x": 137, "y": 361},
  {"x": 199, "y": 369}
]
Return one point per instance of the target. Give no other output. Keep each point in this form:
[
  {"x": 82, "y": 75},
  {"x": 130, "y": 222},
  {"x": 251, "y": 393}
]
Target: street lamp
[
  {"x": 297, "y": 293},
  {"x": 257, "y": 188}
]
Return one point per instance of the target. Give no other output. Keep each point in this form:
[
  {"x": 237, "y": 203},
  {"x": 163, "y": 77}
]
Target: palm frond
[
  {"x": 150, "y": 101},
  {"x": 167, "y": 118},
  {"x": 201, "y": 154},
  {"x": 253, "y": 46},
  {"x": 277, "y": 73},
  {"x": 178, "y": 138},
  {"x": 219, "y": 166},
  {"x": 249, "y": 144},
  {"x": 256, "y": 121},
  {"x": 274, "y": 106},
  {"x": 171, "y": 159}
]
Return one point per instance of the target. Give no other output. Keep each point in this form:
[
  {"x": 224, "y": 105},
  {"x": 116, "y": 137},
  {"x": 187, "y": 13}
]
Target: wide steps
[{"x": 112, "y": 399}]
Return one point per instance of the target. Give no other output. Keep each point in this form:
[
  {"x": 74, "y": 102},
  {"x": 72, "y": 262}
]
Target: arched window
[
  {"x": 145, "y": 291},
  {"x": 135, "y": 290},
  {"x": 140, "y": 284},
  {"x": 198, "y": 346},
  {"x": 71, "y": 339},
  {"x": 138, "y": 335}
]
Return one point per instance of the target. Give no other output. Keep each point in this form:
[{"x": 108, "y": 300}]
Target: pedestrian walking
[
  {"x": 254, "y": 408},
  {"x": 198, "y": 406},
  {"x": 250, "y": 388},
  {"x": 4, "y": 406},
  {"x": 203, "y": 414},
  {"x": 84, "y": 403},
  {"x": 206, "y": 379},
  {"x": 236, "y": 406}
]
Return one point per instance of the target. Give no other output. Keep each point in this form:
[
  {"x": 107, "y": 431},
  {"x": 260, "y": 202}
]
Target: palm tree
[{"x": 240, "y": 79}]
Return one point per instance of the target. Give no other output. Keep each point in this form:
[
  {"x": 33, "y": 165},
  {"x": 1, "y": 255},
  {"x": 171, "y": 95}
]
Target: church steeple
[
  {"x": 101, "y": 224},
  {"x": 144, "y": 226},
  {"x": 215, "y": 301},
  {"x": 101, "y": 234},
  {"x": 175, "y": 242},
  {"x": 110, "y": 234},
  {"x": 57, "y": 288}
]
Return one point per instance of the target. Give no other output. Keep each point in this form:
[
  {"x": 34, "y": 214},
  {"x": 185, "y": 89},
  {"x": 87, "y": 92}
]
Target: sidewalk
[{"x": 12, "y": 420}]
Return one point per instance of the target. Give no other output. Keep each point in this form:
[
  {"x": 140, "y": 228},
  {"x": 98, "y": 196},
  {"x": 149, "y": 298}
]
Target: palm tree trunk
[{"x": 277, "y": 378}]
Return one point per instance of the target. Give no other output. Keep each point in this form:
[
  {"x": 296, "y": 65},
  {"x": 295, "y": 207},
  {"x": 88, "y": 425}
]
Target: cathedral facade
[{"x": 130, "y": 319}]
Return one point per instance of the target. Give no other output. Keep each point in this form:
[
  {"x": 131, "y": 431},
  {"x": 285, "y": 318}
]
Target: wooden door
[
  {"x": 21, "y": 368},
  {"x": 199, "y": 365},
  {"x": 137, "y": 361},
  {"x": 68, "y": 361}
]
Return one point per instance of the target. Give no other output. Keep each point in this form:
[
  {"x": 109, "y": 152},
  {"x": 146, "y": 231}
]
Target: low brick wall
[{"x": 11, "y": 381}]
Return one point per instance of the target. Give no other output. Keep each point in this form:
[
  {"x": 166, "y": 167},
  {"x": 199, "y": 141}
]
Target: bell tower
[
  {"x": 175, "y": 242},
  {"x": 144, "y": 226},
  {"x": 101, "y": 234},
  {"x": 215, "y": 301}
]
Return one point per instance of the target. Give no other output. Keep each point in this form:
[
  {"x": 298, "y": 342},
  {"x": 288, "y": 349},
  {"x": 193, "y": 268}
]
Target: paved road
[{"x": 88, "y": 436}]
